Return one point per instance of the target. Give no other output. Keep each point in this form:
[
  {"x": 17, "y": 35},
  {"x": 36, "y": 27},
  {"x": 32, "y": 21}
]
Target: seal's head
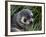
[{"x": 26, "y": 16}]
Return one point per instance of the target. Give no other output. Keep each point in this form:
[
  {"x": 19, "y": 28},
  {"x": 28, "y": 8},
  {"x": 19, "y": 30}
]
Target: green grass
[{"x": 37, "y": 15}]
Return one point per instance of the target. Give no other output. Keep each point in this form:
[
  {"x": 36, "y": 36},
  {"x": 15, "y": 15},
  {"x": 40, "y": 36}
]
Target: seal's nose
[{"x": 30, "y": 22}]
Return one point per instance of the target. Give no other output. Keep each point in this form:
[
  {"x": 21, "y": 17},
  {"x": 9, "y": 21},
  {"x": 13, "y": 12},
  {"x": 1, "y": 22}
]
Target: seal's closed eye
[{"x": 25, "y": 20}]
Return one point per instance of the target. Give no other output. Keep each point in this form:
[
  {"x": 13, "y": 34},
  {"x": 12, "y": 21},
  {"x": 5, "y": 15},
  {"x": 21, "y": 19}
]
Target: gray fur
[{"x": 17, "y": 24}]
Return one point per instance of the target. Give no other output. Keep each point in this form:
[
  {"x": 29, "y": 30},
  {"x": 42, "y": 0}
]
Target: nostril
[{"x": 31, "y": 22}]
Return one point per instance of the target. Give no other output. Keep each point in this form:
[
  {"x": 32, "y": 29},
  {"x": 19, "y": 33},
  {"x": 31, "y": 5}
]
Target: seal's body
[{"x": 21, "y": 20}]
